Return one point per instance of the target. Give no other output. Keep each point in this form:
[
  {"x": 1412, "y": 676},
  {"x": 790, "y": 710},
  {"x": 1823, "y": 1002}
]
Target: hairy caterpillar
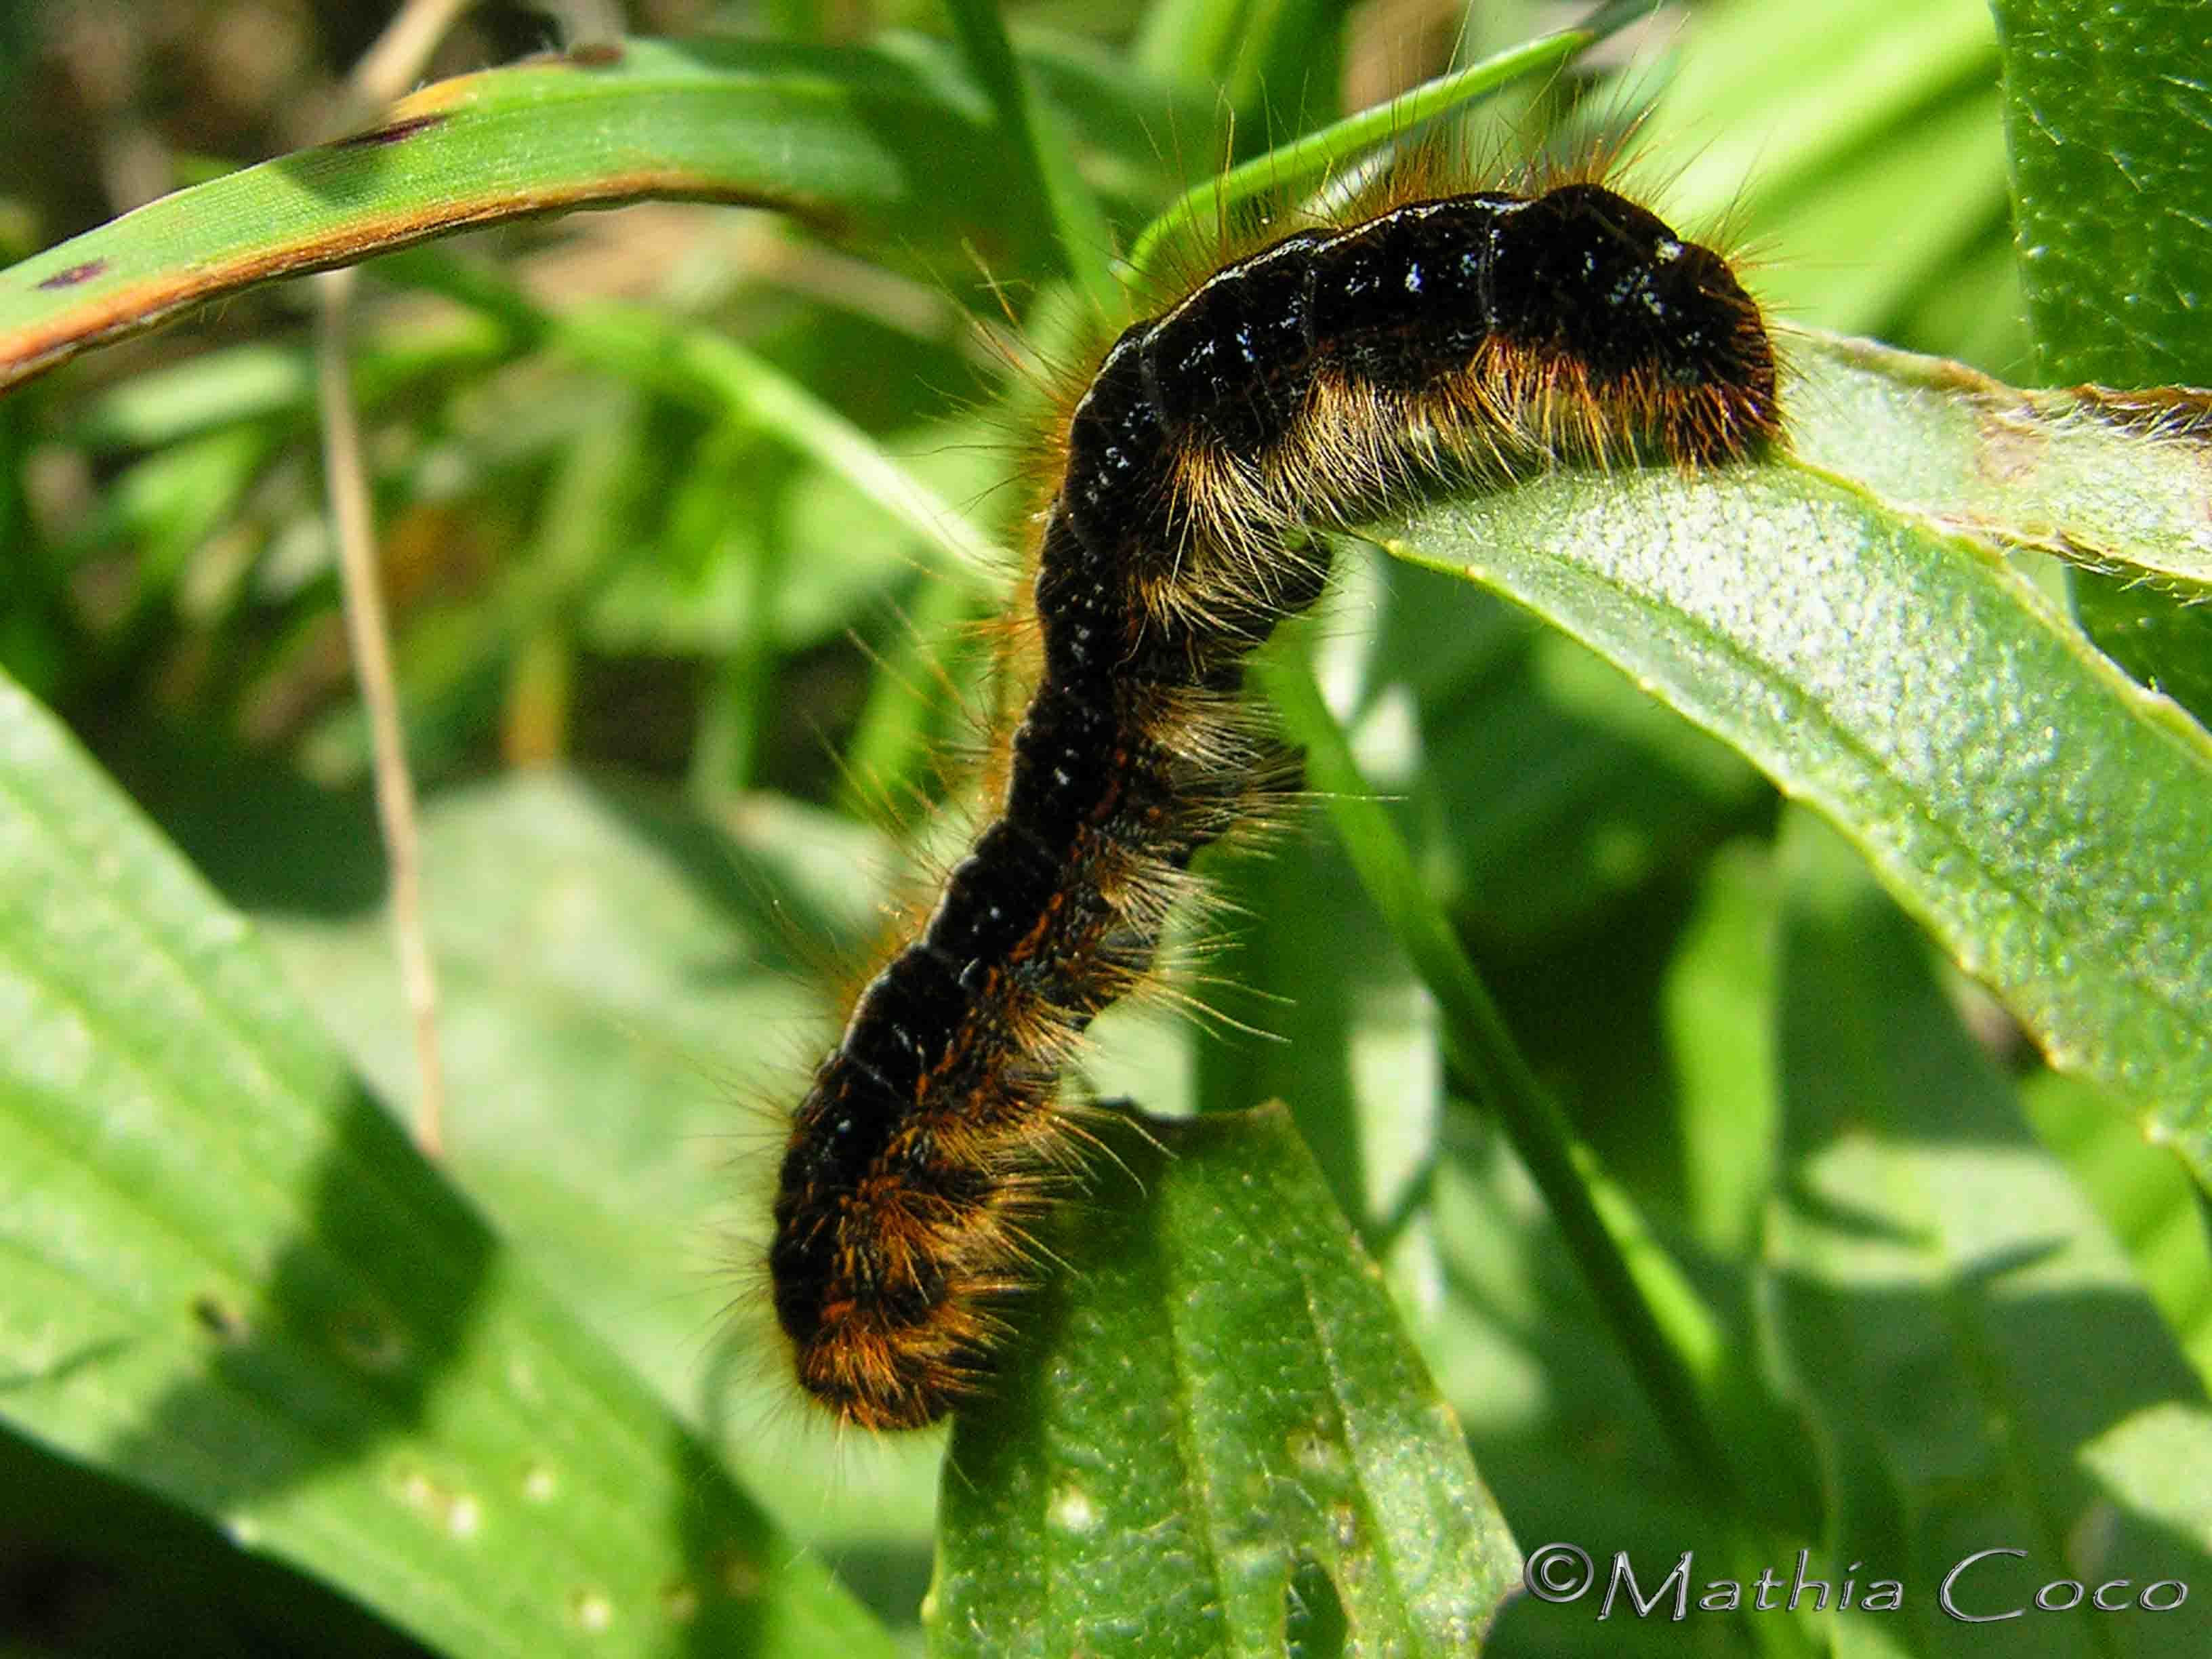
[{"x": 1296, "y": 387}]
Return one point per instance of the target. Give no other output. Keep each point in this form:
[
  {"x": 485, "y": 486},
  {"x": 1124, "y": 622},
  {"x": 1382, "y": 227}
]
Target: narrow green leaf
[
  {"x": 231, "y": 1281},
  {"x": 2116, "y": 480},
  {"x": 1215, "y": 1419},
  {"x": 705, "y": 367},
  {"x": 1719, "y": 994},
  {"x": 906, "y": 717},
  {"x": 1298, "y": 164},
  {"x": 1774, "y": 104},
  {"x": 1981, "y": 1368},
  {"x": 1193, "y": 41},
  {"x": 2045, "y": 816},
  {"x": 1040, "y": 149},
  {"x": 1666, "y": 1333},
  {"x": 1309, "y": 963},
  {"x": 1795, "y": 132},
  {"x": 1290, "y": 67},
  {"x": 842, "y": 139}
]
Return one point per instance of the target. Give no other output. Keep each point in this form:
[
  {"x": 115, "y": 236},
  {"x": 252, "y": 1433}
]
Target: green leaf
[
  {"x": 2111, "y": 128},
  {"x": 1718, "y": 1000},
  {"x": 1294, "y": 165},
  {"x": 1047, "y": 165},
  {"x": 841, "y": 138},
  {"x": 2115, "y": 480},
  {"x": 154, "y": 1565},
  {"x": 1311, "y": 964},
  {"x": 702, "y": 367},
  {"x": 2143, "y": 1196},
  {"x": 1981, "y": 1368},
  {"x": 2042, "y": 815},
  {"x": 2110, "y": 121},
  {"x": 231, "y": 1281},
  {"x": 1215, "y": 1439},
  {"x": 629, "y": 996},
  {"x": 1658, "y": 1318},
  {"x": 1797, "y": 132},
  {"x": 1548, "y": 787},
  {"x": 1790, "y": 95}
]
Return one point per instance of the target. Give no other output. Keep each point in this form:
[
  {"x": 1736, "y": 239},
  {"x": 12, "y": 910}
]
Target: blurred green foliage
[{"x": 683, "y": 667}]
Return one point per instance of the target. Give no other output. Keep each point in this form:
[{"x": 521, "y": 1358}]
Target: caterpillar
[{"x": 1293, "y": 390}]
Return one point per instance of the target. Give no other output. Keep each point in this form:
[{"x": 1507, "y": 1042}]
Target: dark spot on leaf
[
  {"x": 74, "y": 274},
  {"x": 596, "y": 54},
  {"x": 390, "y": 135},
  {"x": 219, "y": 1318}
]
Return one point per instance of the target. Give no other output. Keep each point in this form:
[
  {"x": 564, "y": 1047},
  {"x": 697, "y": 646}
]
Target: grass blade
[{"x": 231, "y": 1281}]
